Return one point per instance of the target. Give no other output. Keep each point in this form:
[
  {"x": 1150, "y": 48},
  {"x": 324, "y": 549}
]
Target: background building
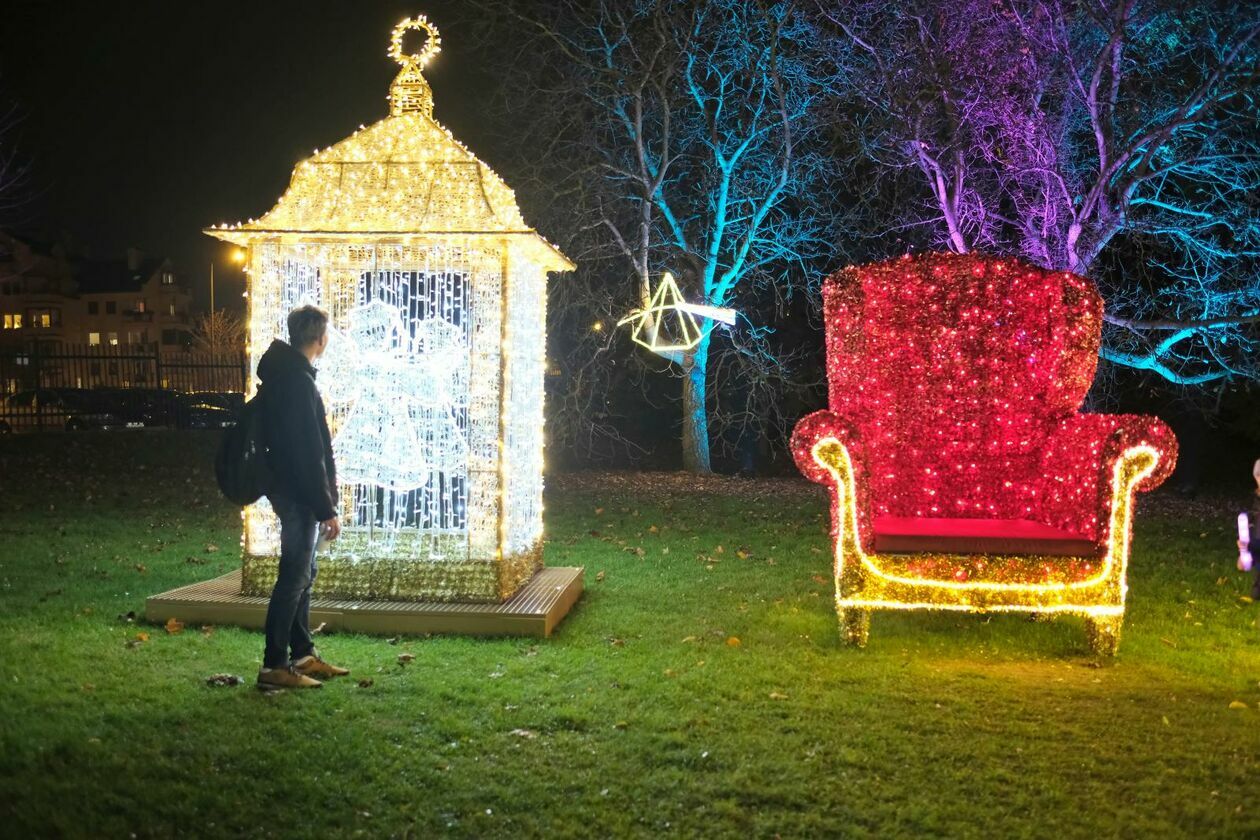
[{"x": 55, "y": 302}]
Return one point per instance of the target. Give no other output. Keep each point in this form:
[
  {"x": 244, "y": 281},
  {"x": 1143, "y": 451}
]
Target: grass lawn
[{"x": 642, "y": 715}]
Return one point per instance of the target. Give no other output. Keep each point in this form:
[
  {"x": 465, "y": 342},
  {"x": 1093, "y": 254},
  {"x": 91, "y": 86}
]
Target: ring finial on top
[{"x": 432, "y": 46}]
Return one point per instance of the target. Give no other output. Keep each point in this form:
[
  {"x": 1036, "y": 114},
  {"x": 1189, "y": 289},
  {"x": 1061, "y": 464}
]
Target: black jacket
[{"x": 299, "y": 447}]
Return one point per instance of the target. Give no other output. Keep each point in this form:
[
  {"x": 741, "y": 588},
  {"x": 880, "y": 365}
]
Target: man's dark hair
[{"x": 306, "y": 326}]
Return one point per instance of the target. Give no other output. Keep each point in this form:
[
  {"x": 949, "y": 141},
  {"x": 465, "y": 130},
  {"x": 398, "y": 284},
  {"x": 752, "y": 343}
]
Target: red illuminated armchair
[{"x": 962, "y": 475}]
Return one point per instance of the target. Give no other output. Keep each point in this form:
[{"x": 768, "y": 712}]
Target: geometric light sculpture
[
  {"x": 962, "y": 475},
  {"x": 433, "y": 377},
  {"x": 669, "y": 323}
]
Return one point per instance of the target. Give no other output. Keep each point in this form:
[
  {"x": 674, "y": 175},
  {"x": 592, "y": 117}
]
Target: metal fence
[{"x": 45, "y": 387}]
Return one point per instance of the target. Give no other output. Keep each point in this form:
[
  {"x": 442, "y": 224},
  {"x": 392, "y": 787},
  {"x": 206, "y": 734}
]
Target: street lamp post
[{"x": 238, "y": 256}]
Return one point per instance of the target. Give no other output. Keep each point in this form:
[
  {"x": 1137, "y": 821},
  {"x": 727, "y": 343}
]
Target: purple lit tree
[{"x": 1114, "y": 138}]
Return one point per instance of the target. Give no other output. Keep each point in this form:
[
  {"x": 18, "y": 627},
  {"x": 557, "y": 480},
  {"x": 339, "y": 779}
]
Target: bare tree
[
  {"x": 220, "y": 331},
  {"x": 683, "y": 136},
  {"x": 14, "y": 169},
  {"x": 1114, "y": 138}
]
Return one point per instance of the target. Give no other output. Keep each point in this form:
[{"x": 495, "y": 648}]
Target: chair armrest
[
  {"x": 1080, "y": 460},
  {"x": 827, "y": 450}
]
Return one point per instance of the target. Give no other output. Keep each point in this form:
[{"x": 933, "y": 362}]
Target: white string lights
[{"x": 433, "y": 377}]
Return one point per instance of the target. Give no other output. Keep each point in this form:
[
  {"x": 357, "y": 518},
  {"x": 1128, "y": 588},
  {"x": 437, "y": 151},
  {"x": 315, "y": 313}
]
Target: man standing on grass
[{"x": 303, "y": 494}]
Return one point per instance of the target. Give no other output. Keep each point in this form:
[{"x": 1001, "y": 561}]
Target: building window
[
  {"x": 44, "y": 318},
  {"x": 111, "y": 308},
  {"x": 94, "y": 307},
  {"x": 113, "y": 339},
  {"x": 172, "y": 310},
  {"x": 168, "y": 279},
  {"x": 8, "y": 320},
  {"x": 133, "y": 337},
  {"x": 17, "y": 320},
  {"x": 94, "y": 339},
  {"x": 140, "y": 305}
]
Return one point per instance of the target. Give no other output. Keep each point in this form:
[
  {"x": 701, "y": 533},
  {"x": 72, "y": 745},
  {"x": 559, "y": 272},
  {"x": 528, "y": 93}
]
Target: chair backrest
[{"x": 953, "y": 369}]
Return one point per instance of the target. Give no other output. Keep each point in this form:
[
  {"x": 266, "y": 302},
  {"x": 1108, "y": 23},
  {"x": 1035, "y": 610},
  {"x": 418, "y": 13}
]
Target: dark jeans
[{"x": 288, "y": 613}]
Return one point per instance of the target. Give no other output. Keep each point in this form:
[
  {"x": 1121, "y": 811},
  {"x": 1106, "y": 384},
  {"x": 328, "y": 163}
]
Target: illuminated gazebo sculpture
[
  {"x": 434, "y": 375},
  {"x": 962, "y": 474}
]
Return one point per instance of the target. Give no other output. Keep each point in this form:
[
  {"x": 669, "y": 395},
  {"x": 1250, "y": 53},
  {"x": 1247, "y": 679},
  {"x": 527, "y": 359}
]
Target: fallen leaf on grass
[
  {"x": 140, "y": 638},
  {"x": 404, "y": 658},
  {"x": 778, "y": 695},
  {"x": 528, "y": 734},
  {"x": 141, "y": 568},
  {"x": 621, "y": 724},
  {"x": 1168, "y": 642},
  {"x": 174, "y": 625},
  {"x": 207, "y": 629},
  {"x": 221, "y": 680},
  {"x": 1164, "y": 718},
  {"x": 1238, "y": 704},
  {"x": 211, "y": 548},
  {"x": 366, "y": 682},
  {"x": 617, "y": 642},
  {"x": 690, "y": 639},
  {"x": 599, "y": 577},
  {"x": 733, "y": 641}
]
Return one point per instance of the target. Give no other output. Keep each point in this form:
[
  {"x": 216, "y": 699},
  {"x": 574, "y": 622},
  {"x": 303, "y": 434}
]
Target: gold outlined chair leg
[
  {"x": 855, "y": 626},
  {"x": 1103, "y": 633}
]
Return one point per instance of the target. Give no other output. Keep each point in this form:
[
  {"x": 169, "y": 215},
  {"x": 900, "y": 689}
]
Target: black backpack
[{"x": 240, "y": 465}]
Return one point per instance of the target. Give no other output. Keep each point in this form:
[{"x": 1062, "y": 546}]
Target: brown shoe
[
  {"x": 313, "y": 666},
  {"x": 278, "y": 678}
]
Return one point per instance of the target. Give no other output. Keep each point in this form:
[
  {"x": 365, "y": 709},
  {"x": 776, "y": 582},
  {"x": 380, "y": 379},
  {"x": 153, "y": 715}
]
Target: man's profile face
[{"x": 321, "y": 344}]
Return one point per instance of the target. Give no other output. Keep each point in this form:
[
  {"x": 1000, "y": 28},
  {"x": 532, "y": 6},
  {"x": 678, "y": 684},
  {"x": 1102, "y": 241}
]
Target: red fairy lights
[{"x": 953, "y": 429}]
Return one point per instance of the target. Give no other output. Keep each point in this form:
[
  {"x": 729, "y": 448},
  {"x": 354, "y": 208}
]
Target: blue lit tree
[
  {"x": 682, "y": 136},
  {"x": 1114, "y": 138}
]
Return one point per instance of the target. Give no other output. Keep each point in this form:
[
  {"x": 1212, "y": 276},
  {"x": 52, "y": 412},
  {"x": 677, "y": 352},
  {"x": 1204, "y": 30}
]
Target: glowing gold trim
[
  {"x": 1071, "y": 609},
  {"x": 861, "y": 583}
]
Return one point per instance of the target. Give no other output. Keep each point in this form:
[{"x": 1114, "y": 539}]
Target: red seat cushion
[{"x": 901, "y": 534}]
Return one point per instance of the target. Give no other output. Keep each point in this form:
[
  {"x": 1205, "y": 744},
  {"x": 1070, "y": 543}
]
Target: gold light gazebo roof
[{"x": 405, "y": 175}]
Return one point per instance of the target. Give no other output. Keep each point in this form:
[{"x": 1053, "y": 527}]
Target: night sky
[{"x": 148, "y": 121}]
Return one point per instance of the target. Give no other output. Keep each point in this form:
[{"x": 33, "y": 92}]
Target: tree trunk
[{"x": 695, "y": 421}]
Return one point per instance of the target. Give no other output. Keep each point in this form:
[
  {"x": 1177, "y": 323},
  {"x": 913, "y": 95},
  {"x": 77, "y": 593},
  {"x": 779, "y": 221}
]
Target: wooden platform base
[{"x": 534, "y": 610}]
